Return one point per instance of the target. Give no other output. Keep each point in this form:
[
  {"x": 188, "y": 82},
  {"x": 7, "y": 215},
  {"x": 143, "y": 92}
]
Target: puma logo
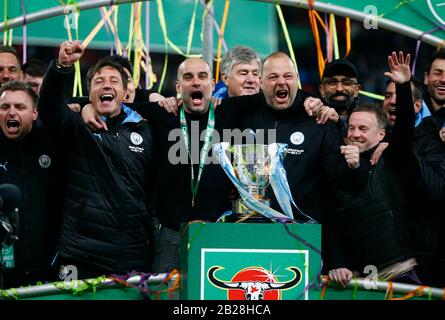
[{"x": 4, "y": 166}]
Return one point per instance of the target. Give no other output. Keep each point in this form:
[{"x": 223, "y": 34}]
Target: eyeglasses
[{"x": 344, "y": 82}]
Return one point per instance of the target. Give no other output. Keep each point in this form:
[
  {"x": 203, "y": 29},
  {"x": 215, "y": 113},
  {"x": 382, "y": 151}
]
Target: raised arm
[
  {"x": 402, "y": 135},
  {"x": 51, "y": 105}
]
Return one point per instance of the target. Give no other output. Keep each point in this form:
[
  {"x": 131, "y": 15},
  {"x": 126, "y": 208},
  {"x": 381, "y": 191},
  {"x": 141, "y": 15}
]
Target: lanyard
[{"x": 203, "y": 153}]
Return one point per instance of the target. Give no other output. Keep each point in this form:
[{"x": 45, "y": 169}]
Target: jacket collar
[{"x": 132, "y": 116}]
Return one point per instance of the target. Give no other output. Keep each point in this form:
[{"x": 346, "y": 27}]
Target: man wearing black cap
[{"x": 339, "y": 86}]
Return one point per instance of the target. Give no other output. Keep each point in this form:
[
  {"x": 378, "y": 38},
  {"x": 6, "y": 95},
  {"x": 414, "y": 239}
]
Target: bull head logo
[{"x": 254, "y": 290}]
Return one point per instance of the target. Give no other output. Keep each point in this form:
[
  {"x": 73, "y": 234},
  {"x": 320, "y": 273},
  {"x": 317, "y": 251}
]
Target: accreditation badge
[{"x": 7, "y": 257}]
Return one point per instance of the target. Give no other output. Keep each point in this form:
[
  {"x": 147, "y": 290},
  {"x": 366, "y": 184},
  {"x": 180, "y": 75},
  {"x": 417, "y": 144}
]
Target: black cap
[{"x": 340, "y": 67}]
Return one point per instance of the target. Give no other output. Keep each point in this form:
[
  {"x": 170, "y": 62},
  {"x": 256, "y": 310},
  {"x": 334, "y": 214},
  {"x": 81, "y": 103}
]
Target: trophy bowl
[{"x": 251, "y": 163}]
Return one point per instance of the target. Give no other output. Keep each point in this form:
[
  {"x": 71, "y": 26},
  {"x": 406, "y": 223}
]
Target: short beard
[
  {"x": 341, "y": 106},
  {"x": 439, "y": 102}
]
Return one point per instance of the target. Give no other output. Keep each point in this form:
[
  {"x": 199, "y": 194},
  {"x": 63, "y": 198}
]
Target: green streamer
[
  {"x": 372, "y": 95},
  {"x": 288, "y": 41},
  {"x": 164, "y": 32},
  {"x": 335, "y": 38},
  {"x": 354, "y": 291},
  {"x": 130, "y": 34},
  {"x": 10, "y": 293},
  {"x": 191, "y": 28},
  {"x": 5, "y": 19}
]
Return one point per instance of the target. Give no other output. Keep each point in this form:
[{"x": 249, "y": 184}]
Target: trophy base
[{"x": 242, "y": 212}]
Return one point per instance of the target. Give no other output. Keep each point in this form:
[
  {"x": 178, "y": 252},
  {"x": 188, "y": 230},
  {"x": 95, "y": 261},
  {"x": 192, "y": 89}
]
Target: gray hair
[{"x": 237, "y": 55}]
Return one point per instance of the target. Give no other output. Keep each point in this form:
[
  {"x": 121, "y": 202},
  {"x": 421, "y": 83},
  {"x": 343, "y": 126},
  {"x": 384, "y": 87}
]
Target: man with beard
[
  {"x": 313, "y": 162},
  {"x": 434, "y": 79},
  {"x": 182, "y": 201},
  {"x": 339, "y": 88}
]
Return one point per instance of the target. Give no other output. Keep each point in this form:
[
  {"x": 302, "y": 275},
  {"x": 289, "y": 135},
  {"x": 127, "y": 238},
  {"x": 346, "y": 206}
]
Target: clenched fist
[
  {"x": 352, "y": 155},
  {"x": 70, "y": 52}
]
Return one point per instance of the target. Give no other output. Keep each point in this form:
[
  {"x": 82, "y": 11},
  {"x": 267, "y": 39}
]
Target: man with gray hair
[{"x": 240, "y": 73}]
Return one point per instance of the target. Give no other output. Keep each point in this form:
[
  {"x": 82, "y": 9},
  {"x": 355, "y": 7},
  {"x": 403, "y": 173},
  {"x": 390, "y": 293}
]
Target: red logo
[{"x": 254, "y": 283}]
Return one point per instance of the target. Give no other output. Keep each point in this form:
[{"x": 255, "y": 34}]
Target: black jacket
[
  {"x": 173, "y": 177},
  {"x": 428, "y": 196},
  {"x": 313, "y": 162},
  {"x": 107, "y": 215},
  {"x": 372, "y": 223},
  {"x": 33, "y": 165}
]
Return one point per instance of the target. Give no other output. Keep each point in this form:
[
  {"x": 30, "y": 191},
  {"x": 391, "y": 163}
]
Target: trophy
[
  {"x": 251, "y": 163},
  {"x": 252, "y": 169}
]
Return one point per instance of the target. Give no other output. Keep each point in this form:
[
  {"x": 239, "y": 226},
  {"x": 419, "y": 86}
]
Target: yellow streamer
[
  {"x": 78, "y": 75},
  {"x": 77, "y": 87},
  {"x": 10, "y": 37},
  {"x": 130, "y": 33},
  {"x": 5, "y": 19},
  {"x": 179, "y": 51},
  {"x": 120, "y": 47},
  {"x": 372, "y": 95},
  {"x": 96, "y": 29},
  {"x": 289, "y": 43},
  {"x": 164, "y": 32},
  {"x": 139, "y": 45},
  {"x": 191, "y": 28},
  {"x": 334, "y": 36},
  {"x": 220, "y": 38}
]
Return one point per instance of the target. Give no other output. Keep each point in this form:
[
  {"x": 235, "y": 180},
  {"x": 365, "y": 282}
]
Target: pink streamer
[
  {"x": 216, "y": 26},
  {"x": 106, "y": 29},
  {"x": 25, "y": 35},
  {"x": 419, "y": 41}
]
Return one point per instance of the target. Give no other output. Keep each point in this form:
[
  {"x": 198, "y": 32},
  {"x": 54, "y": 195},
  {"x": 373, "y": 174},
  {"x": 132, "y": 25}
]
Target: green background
[{"x": 248, "y": 23}]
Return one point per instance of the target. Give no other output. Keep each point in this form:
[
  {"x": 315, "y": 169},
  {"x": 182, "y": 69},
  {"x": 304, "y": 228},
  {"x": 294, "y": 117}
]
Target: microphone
[{"x": 10, "y": 197}]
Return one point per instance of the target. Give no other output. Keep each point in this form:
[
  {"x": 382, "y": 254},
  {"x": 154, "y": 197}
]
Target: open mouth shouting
[
  {"x": 13, "y": 126},
  {"x": 196, "y": 98},
  {"x": 106, "y": 97},
  {"x": 107, "y": 102},
  {"x": 392, "y": 114},
  {"x": 282, "y": 95}
]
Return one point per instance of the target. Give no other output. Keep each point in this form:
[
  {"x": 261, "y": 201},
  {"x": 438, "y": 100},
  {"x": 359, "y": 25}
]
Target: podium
[{"x": 250, "y": 261}]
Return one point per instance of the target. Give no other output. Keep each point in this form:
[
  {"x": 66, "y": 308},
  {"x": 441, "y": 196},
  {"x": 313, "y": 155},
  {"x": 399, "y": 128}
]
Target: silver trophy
[
  {"x": 251, "y": 168},
  {"x": 251, "y": 164}
]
